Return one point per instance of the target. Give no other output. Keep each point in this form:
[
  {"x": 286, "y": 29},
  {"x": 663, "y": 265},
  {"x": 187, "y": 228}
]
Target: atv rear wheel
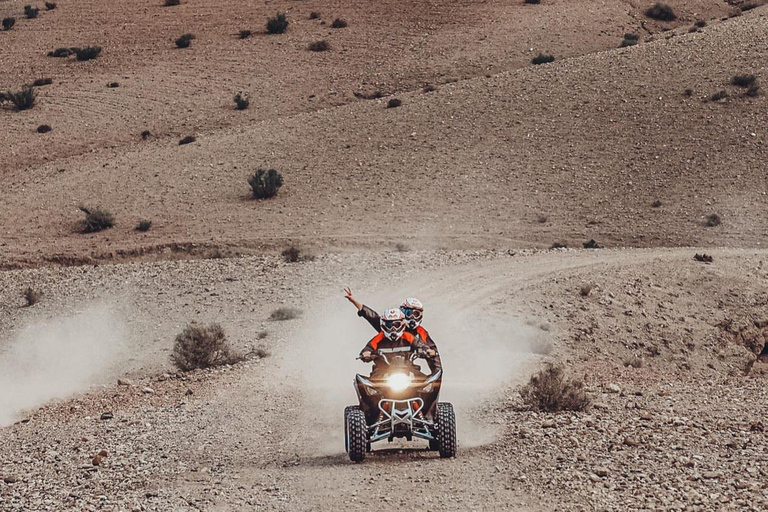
[
  {"x": 446, "y": 430},
  {"x": 356, "y": 430}
]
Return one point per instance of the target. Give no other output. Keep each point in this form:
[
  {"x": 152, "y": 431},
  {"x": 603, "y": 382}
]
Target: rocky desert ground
[{"x": 604, "y": 213}]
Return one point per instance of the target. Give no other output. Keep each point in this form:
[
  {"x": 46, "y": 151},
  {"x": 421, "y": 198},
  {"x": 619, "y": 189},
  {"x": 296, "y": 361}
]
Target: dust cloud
[
  {"x": 57, "y": 357},
  {"x": 482, "y": 354}
]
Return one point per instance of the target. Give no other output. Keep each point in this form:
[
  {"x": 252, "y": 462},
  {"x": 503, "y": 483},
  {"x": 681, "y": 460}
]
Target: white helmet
[
  {"x": 413, "y": 310},
  {"x": 393, "y": 324}
]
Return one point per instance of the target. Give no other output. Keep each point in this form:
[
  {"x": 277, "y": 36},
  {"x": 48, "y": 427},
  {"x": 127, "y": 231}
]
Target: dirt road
[{"x": 265, "y": 434}]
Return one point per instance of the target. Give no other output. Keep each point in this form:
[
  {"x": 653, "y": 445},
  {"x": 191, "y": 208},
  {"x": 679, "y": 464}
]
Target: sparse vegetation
[
  {"x": 60, "y": 53},
  {"x": 281, "y": 314},
  {"x": 558, "y": 245},
  {"x": 245, "y": 34},
  {"x": 394, "y": 103},
  {"x": 42, "y": 81},
  {"x": 550, "y": 391},
  {"x": 704, "y": 258},
  {"x": 629, "y": 40},
  {"x": 319, "y": 46},
  {"x": 277, "y": 24},
  {"x": 189, "y": 139},
  {"x": 700, "y": 24},
  {"x": 591, "y": 244},
  {"x": 712, "y": 220},
  {"x": 753, "y": 91},
  {"x": 401, "y": 247},
  {"x": 259, "y": 352},
  {"x": 241, "y": 101},
  {"x": 542, "y": 58},
  {"x": 172, "y": 3},
  {"x": 294, "y": 255},
  {"x": 96, "y": 219},
  {"x": 44, "y": 128},
  {"x": 688, "y": 92},
  {"x": 202, "y": 346},
  {"x": 113, "y": 85},
  {"x": 265, "y": 183},
  {"x": 749, "y": 6},
  {"x": 185, "y": 40},
  {"x": 32, "y": 296},
  {"x": 339, "y": 23},
  {"x": 656, "y": 204},
  {"x": 31, "y": 12},
  {"x": 661, "y": 12},
  {"x": 542, "y": 219},
  {"x": 50, "y": 5},
  {"x": 743, "y": 80},
  {"x": 21, "y": 100},
  {"x": 429, "y": 88},
  {"x": 585, "y": 290},
  {"x": 145, "y": 134},
  {"x": 719, "y": 95},
  {"x": 534, "y": 2},
  {"x": 87, "y": 53},
  {"x": 8, "y": 23},
  {"x": 633, "y": 362},
  {"x": 144, "y": 226},
  {"x": 314, "y": 15}
]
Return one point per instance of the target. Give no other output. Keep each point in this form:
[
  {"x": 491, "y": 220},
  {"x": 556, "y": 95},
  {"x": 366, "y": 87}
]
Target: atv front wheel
[
  {"x": 446, "y": 430},
  {"x": 356, "y": 430},
  {"x": 346, "y": 429}
]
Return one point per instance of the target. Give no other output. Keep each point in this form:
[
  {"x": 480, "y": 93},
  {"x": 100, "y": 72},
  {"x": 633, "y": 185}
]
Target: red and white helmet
[
  {"x": 393, "y": 324},
  {"x": 413, "y": 310}
]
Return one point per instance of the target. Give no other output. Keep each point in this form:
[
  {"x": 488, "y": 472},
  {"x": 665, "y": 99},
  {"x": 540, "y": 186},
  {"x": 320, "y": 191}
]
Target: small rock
[
  {"x": 709, "y": 475},
  {"x": 107, "y": 416},
  {"x": 97, "y": 459},
  {"x": 124, "y": 382},
  {"x": 103, "y": 453},
  {"x": 613, "y": 388},
  {"x": 631, "y": 441},
  {"x": 601, "y": 471},
  {"x": 10, "y": 479},
  {"x": 147, "y": 391},
  {"x": 548, "y": 424},
  {"x": 189, "y": 392},
  {"x": 645, "y": 415},
  {"x": 594, "y": 478}
]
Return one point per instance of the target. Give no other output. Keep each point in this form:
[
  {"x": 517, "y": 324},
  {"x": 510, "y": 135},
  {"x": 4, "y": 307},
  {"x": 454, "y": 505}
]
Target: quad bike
[{"x": 398, "y": 400}]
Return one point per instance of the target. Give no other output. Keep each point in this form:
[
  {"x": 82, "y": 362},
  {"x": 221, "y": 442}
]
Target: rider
[
  {"x": 414, "y": 312},
  {"x": 393, "y": 334}
]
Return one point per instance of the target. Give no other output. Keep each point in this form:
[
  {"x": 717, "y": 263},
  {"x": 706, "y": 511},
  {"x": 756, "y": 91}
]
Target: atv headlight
[{"x": 398, "y": 381}]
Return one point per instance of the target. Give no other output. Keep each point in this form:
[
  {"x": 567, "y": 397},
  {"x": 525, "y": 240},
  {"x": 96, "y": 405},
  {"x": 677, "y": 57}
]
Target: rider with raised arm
[{"x": 414, "y": 312}]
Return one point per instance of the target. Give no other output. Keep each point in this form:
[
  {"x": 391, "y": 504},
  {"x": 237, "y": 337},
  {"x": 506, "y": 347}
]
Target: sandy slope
[{"x": 586, "y": 144}]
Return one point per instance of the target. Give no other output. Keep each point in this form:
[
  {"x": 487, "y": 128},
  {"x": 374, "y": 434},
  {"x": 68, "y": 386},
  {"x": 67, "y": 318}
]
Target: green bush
[
  {"x": 144, "y": 226},
  {"x": 265, "y": 183},
  {"x": 277, "y": 24}
]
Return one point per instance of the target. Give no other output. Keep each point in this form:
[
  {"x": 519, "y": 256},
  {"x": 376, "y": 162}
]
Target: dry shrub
[
  {"x": 44, "y": 128},
  {"x": 394, "y": 103},
  {"x": 550, "y": 391},
  {"x": 8, "y": 23},
  {"x": 294, "y": 255},
  {"x": 21, "y": 100},
  {"x": 202, "y": 346},
  {"x": 585, "y": 290},
  {"x": 281, "y": 314},
  {"x": 542, "y": 58},
  {"x": 339, "y": 23},
  {"x": 633, "y": 362},
  {"x": 245, "y": 34},
  {"x": 743, "y": 80},
  {"x": 185, "y": 40},
  {"x": 41, "y": 82},
  {"x": 401, "y": 247},
  {"x": 265, "y": 183},
  {"x": 241, "y": 101},
  {"x": 32, "y": 296},
  {"x": 713, "y": 220},
  {"x": 319, "y": 46},
  {"x": 144, "y": 226},
  {"x": 87, "y": 53},
  {"x": 189, "y": 139},
  {"x": 277, "y": 24},
  {"x": 95, "y": 220},
  {"x": 661, "y": 12}
]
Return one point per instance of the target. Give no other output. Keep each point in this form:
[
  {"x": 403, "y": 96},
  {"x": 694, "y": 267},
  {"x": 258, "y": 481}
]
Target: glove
[{"x": 365, "y": 357}]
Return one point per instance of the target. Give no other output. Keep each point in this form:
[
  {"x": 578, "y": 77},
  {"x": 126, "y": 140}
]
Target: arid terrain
[{"x": 478, "y": 194}]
